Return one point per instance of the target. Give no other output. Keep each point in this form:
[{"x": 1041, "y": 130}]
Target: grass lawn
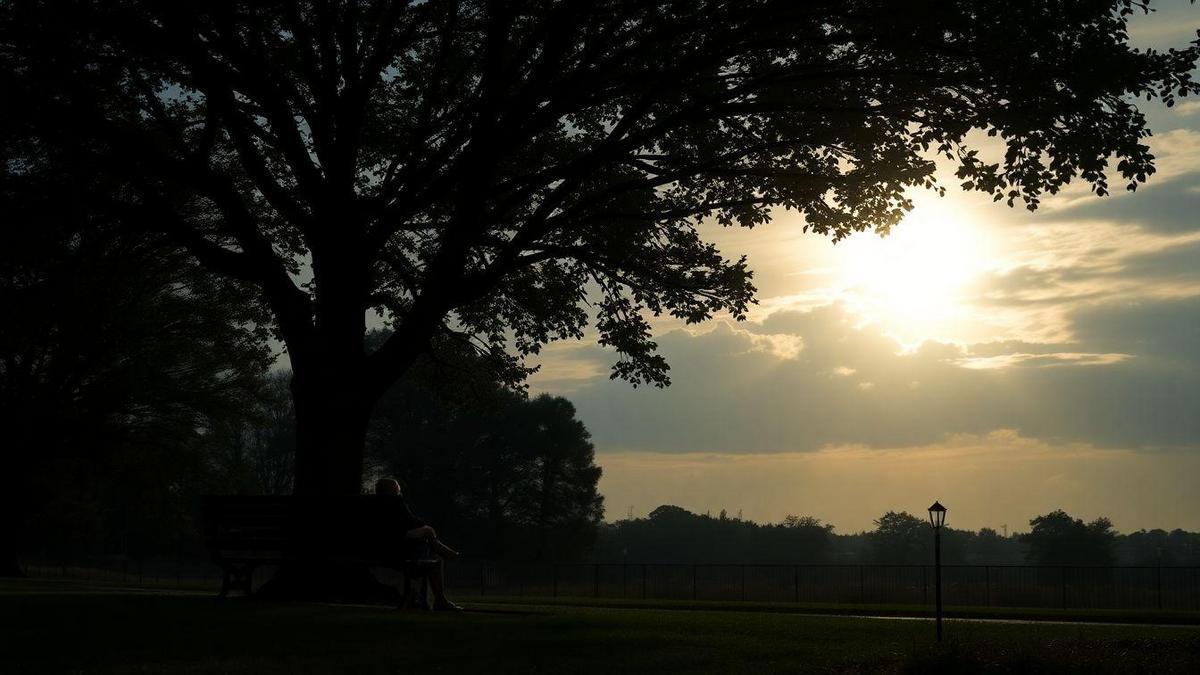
[
  {"x": 1147, "y": 616},
  {"x": 60, "y": 627}
]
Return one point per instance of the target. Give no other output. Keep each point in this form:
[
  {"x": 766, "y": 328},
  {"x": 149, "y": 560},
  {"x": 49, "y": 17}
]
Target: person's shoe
[{"x": 446, "y": 606}]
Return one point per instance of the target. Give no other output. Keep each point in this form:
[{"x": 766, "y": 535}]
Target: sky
[{"x": 1002, "y": 362}]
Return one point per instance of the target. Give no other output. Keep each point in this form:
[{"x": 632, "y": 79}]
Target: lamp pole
[
  {"x": 937, "y": 577},
  {"x": 937, "y": 518}
]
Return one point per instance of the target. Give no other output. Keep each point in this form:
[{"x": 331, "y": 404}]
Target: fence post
[
  {"x": 924, "y": 584},
  {"x": 554, "y": 575},
  {"x": 987, "y": 575},
  {"x": 1063, "y": 574},
  {"x": 1158, "y": 583},
  {"x": 595, "y": 580},
  {"x": 796, "y": 581},
  {"x": 693, "y": 581},
  {"x": 643, "y": 581},
  {"x": 743, "y": 581},
  {"x": 862, "y": 584},
  {"x": 624, "y": 580}
]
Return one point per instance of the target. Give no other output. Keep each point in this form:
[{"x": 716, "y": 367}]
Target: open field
[
  {"x": 1116, "y": 616},
  {"x": 54, "y": 627},
  {"x": 581, "y": 584}
]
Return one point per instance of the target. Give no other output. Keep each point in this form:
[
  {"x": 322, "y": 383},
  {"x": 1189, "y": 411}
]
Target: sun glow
[{"x": 916, "y": 282}]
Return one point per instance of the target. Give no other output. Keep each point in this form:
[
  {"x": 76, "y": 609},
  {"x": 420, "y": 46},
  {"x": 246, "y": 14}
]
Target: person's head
[{"x": 387, "y": 486}]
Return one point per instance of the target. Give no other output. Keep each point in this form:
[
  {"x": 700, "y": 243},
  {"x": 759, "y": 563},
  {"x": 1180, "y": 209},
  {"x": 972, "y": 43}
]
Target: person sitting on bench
[{"x": 419, "y": 541}]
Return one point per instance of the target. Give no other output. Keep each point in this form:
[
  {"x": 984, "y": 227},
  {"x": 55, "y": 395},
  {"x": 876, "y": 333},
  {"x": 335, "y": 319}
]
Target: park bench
[{"x": 243, "y": 533}]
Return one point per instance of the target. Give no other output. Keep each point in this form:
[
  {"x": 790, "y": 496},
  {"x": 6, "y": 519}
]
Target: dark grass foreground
[{"x": 47, "y": 627}]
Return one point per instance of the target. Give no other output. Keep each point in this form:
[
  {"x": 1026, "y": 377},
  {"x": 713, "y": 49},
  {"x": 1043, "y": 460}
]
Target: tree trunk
[
  {"x": 332, "y": 412},
  {"x": 331, "y": 434}
]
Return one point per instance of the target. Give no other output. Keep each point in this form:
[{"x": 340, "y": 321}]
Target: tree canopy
[
  {"x": 1056, "y": 538},
  {"x": 497, "y": 171}
]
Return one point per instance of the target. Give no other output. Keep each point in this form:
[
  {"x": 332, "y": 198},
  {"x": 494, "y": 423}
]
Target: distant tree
[
  {"x": 1147, "y": 547},
  {"x": 559, "y": 499},
  {"x": 516, "y": 475},
  {"x": 803, "y": 522},
  {"x": 118, "y": 353},
  {"x": 990, "y": 548},
  {"x": 802, "y": 539},
  {"x": 254, "y": 452},
  {"x": 674, "y": 534},
  {"x": 1058, "y": 539},
  {"x": 901, "y": 538},
  {"x": 491, "y": 169},
  {"x": 117, "y": 357},
  {"x": 669, "y": 512}
]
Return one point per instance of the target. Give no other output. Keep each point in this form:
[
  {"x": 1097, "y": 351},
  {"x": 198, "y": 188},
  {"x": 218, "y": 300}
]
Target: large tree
[
  {"x": 492, "y": 169},
  {"x": 1058, "y": 539}
]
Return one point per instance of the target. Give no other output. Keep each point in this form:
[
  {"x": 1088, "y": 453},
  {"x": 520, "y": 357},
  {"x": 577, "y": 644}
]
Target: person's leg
[
  {"x": 437, "y": 580},
  {"x": 442, "y": 549}
]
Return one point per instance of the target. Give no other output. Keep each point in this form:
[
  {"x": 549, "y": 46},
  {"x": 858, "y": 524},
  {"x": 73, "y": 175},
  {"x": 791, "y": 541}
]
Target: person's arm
[{"x": 422, "y": 532}]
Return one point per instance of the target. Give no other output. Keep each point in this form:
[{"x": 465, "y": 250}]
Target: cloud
[
  {"x": 1177, "y": 153},
  {"x": 1160, "y": 207},
  {"x": 1066, "y": 267},
  {"x": 1027, "y": 360},
  {"x": 1131, "y": 379},
  {"x": 1187, "y": 108}
]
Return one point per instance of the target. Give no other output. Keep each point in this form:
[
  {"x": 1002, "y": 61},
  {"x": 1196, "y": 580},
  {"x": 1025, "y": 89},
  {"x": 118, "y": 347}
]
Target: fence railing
[{"x": 1062, "y": 587}]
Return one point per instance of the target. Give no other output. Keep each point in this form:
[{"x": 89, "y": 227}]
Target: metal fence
[
  {"x": 1153, "y": 588},
  {"x": 1150, "y": 588}
]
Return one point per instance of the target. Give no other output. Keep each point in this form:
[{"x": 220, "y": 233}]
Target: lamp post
[{"x": 937, "y": 518}]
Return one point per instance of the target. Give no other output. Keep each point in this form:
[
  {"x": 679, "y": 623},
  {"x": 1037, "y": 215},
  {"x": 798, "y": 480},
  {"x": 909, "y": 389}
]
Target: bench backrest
[{"x": 312, "y": 527}]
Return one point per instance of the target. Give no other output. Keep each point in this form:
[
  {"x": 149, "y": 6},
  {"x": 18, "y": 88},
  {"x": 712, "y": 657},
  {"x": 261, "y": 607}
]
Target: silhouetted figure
[{"x": 417, "y": 541}]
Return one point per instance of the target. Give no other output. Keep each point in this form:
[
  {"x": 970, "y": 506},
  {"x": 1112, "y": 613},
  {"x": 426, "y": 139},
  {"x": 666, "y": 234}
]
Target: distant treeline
[{"x": 674, "y": 534}]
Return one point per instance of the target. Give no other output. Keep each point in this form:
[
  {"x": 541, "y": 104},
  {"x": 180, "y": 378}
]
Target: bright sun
[{"x": 915, "y": 281}]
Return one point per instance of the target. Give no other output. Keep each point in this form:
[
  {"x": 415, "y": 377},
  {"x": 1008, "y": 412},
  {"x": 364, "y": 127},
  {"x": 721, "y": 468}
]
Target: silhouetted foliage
[
  {"x": 502, "y": 475},
  {"x": 118, "y": 354},
  {"x": 901, "y": 538},
  {"x": 482, "y": 169},
  {"x": 1159, "y": 547},
  {"x": 1058, "y": 539},
  {"x": 254, "y": 452},
  {"x": 673, "y": 534}
]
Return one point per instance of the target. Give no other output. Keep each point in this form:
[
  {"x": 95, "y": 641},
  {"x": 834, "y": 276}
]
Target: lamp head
[{"x": 937, "y": 515}]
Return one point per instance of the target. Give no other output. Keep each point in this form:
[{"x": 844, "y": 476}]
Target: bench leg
[
  {"x": 423, "y": 595},
  {"x": 239, "y": 576},
  {"x": 415, "y": 597}
]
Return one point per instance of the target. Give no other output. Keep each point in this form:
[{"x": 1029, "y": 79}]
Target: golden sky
[{"x": 1003, "y": 362}]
